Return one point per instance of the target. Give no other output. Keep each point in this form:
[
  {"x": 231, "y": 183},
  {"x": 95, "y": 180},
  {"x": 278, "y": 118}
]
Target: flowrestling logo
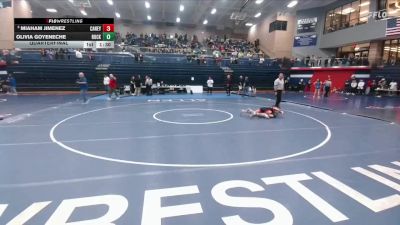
[{"x": 154, "y": 212}]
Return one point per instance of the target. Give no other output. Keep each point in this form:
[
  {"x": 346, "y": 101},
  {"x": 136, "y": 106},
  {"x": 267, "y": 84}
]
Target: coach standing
[
  {"x": 83, "y": 86},
  {"x": 279, "y": 87},
  {"x": 228, "y": 85}
]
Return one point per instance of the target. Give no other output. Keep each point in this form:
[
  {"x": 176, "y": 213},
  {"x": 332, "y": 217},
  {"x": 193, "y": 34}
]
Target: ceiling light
[
  {"x": 148, "y": 17},
  {"x": 348, "y": 10},
  {"x": 257, "y": 15},
  {"x": 147, "y": 4},
  {"x": 83, "y": 12},
  {"x": 72, "y": 1},
  {"x": 178, "y": 20},
  {"x": 259, "y": 1},
  {"x": 181, "y": 7},
  {"x": 51, "y": 10},
  {"x": 249, "y": 24},
  {"x": 292, "y": 4},
  {"x": 205, "y": 22},
  {"x": 364, "y": 4},
  {"x": 110, "y": 2},
  {"x": 117, "y": 15},
  {"x": 213, "y": 11}
]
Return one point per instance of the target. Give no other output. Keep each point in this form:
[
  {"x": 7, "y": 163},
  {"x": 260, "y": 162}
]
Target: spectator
[
  {"x": 228, "y": 84},
  {"x": 317, "y": 86},
  {"x": 132, "y": 85},
  {"x": 368, "y": 87},
  {"x": 360, "y": 87},
  {"x": 373, "y": 87},
  {"x": 262, "y": 60},
  {"x": 91, "y": 56},
  {"x": 113, "y": 87},
  {"x": 301, "y": 85},
  {"x": 78, "y": 54},
  {"x": 347, "y": 88},
  {"x": 393, "y": 87},
  {"x": 141, "y": 57},
  {"x": 287, "y": 83},
  {"x": 210, "y": 85},
  {"x": 241, "y": 85},
  {"x": 319, "y": 61},
  {"x": 138, "y": 85},
  {"x": 353, "y": 85},
  {"x": 149, "y": 83},
  {"x": 246, "y": 85},
  {"x": 3, "y": 87},
  {"x": 382, "y": 83},
  {"x": 83, "y": 86},
  {"x": 308, "y": 86},
  {"x": 307, "y": 61},
  {"x": 313, "y": 59},
  {"x": 327, "y": 87},
  {"x": 12, "y": 84},
  {"x": 106, "y": 83}
]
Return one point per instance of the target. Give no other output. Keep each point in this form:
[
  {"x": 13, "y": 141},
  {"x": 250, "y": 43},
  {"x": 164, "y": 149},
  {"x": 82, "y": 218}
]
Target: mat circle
[
  {"x": 80, "y": 152},
  {"x": 157, "y": 115}
]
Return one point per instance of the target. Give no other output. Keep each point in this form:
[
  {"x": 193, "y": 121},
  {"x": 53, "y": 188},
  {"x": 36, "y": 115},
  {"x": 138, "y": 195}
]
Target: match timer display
[{"x": 64, "y": 33}]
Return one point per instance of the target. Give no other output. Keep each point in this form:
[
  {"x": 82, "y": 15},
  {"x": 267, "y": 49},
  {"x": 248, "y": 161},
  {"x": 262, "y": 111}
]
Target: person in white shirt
[
  {"x": 353, "y": 86},
  {"x": 106, "y": 82},
  {"x": 279, "y": 87},
  {"x": 210, "y": 85},
  {"x": 149, "y": 83},
  {"x": 360, "y": 87},
  {"x": 392, "y": 87},
  {"x": 78, "y": 54}
]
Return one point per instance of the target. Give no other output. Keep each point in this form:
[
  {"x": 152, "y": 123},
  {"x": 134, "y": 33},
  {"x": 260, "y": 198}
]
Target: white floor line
[
  {"x": 163, "y": 172},
  {"x": 165, "y": 136},
  {"x": 100, "y": 178},
  {"x": 78, "y": 124},
  {"x": 183, "y": 135}
]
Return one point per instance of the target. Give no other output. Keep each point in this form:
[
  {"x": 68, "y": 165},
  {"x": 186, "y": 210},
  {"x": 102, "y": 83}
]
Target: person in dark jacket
[
  {"x": 228, "y": 84},
  {"x": 132, "y": 85},
  {"x": 138, "y": 85}
]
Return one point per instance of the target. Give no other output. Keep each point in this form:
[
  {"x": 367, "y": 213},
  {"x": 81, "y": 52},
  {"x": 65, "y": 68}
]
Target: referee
[{"x": 279, "y": 87}]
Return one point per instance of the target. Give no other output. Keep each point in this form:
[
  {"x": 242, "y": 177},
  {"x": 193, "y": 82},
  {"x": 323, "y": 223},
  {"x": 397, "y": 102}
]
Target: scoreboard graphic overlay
[{"x": 64, "y": 32}]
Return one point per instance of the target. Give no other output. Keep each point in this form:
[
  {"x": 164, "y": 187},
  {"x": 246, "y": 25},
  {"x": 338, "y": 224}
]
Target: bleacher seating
[
  {"x": 388, "y": 72},
  {"x": 259, "y": 75},
  {"x": 37, "y": 73},
  {"x": 170, "y": 73},
  {"x": 51, "y": 75}
]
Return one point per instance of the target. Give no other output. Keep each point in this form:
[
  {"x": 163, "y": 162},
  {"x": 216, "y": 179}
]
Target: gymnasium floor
[{"x": 193, "y": 159}]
